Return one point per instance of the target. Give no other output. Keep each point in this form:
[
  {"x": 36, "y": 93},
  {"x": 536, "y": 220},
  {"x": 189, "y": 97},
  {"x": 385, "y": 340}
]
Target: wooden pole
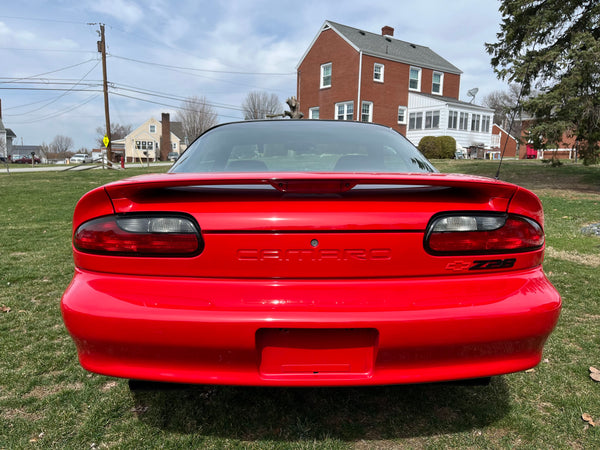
[{"x": 102, "y": 49}]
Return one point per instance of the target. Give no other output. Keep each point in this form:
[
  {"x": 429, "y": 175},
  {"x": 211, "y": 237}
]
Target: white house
[
  {"x": 144, "y": 142},
  {"x": 433, "y": 115}
]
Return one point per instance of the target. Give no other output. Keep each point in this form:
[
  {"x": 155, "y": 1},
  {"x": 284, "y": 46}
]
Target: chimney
[
  {"x": 387, "y": 31},
  {"x": 165, "y": 137}
]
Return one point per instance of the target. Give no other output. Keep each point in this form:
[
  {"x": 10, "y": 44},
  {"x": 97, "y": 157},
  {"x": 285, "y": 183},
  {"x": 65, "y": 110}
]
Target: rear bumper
[{"x": 310, "y": 332}]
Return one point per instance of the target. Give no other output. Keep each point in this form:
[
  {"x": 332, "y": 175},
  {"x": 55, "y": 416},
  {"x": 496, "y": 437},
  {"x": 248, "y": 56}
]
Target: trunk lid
[{"x": 304, "y": 225}]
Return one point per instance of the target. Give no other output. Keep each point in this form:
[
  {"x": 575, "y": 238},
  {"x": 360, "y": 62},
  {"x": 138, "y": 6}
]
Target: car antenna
[{"x": 512, "y": 120}]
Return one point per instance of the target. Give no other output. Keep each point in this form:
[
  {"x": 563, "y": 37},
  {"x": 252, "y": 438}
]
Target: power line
[
  {"x": 60, "y": 113},
  {"x": 61, "y": 95},
  {"x": 167, "y": 105},
  {"x": 16, "y": 80},
  {"x": 45, "y": 89},
  {"x": 142, "y": 91},
  {"x": 45, "y": 50},
  {"x": 34, "y": 19},
  {"x": 203, "y": 70},
  {"x": 198, "y": 75}
]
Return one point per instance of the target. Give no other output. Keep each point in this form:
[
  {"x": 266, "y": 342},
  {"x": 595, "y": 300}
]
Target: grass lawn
[{"x": 47, "y": 400}]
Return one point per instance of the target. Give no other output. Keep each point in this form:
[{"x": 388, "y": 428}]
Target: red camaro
[{"x": 308, "y": 253}]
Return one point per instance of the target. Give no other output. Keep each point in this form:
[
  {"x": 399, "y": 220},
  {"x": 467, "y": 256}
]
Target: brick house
[
  {"x": 503, "y": 142},
  {"x": 350, "y": 74}
]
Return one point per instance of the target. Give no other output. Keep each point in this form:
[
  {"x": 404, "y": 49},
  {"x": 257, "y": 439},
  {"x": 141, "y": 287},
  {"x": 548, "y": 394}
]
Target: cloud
[{"x": 128, "y": 12}]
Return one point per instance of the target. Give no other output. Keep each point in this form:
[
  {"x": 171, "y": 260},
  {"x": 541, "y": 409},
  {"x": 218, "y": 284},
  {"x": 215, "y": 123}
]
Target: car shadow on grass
[{"x": 256, "y": 414}]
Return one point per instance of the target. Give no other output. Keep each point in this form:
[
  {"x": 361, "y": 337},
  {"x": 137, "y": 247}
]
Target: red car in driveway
[{"x": 308, "y": 253}]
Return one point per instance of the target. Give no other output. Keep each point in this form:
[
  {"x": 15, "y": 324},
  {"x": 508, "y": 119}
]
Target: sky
[{"x": 163, "y": 51}]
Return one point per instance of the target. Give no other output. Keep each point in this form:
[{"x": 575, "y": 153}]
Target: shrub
[
  {"x": 438, "y": 147},
  {"x": 430, "y": 147},
  {"x": 448, "y": 147}
]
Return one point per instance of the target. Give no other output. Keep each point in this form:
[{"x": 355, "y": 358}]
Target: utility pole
[{"x": 102, "y": 49}]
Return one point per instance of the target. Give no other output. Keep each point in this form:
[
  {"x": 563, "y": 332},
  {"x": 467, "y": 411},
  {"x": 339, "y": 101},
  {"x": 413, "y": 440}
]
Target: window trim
[
  {"x": 381, "y": 72},
  {"x": 152, "y": 128},
  {"x": 418, "y": 117},
  {"x": 404, "y": 114},
  {"x": 322, "y": 78},
  {"x": 431, "y": 117},
  {"x": 419, "y": 73},
  {"x": 452, "y": 119},
  {"x": 486, "y": 123},
  {"x": 345, "y": 104},
  {"x": 463, "y": 116},
  {"x": 441, "y": 74},
  {"x": 476, "y": 122},
  {"x": 311, "y": 113},
  {"x": 362, "y": 105}
]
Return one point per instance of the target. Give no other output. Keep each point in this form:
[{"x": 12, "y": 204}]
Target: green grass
[{"x": 47, "y": 400}]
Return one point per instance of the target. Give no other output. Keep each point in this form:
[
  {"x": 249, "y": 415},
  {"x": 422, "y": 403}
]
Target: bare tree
[
  {"x": 196, "y": 116},
  {"x": 504, "y": 104},
  {"x": 45, "y": 150},
  {"x": 261, "y": 105},
  {"x": 61, "y": 146},
  {"x": 117, "y": 131}
]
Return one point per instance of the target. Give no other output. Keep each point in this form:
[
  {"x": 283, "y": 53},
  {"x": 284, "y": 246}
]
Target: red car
[{"x": 308, "y": 253}]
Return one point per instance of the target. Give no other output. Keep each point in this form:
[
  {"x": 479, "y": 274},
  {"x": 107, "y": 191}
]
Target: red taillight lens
[
  {"x": 139, "y": 236},
  {"x": 470, "y": 234}
]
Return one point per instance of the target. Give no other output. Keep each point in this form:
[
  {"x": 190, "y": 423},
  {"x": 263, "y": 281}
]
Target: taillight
[
  {"x": 466, "y": 233},
  {"x": 160, "y": 235}
]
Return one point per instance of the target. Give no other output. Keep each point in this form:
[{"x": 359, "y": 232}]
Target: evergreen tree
[{"x": 553, "y": 46}]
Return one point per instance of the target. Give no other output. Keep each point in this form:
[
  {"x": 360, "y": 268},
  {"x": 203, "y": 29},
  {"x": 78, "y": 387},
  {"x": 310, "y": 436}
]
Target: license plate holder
[{"x": 306, "y": 352}]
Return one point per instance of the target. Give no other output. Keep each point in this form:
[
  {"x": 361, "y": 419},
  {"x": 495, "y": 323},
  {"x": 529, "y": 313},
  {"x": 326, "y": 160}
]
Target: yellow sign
[{"x": 105, "y": 141}]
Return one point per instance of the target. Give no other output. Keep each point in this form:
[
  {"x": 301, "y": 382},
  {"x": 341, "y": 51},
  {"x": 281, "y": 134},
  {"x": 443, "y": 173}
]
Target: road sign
[{"x": 105, "y": 141}]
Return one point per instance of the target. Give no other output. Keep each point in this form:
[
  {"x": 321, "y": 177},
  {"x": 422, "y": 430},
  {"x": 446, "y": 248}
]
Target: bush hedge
[{"x": 438, "y": 147}]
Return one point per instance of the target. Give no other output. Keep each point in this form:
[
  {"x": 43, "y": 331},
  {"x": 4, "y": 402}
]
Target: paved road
[{"x": 18, "y": 168}]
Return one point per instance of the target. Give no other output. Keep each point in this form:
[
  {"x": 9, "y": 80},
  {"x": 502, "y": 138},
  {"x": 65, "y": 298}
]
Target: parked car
[
  {"x": 173, "y": 156},
  {"x": 308, "y": 253},
  {"x": 80, "y": 158},
  {"x": 25, "y": 159}
]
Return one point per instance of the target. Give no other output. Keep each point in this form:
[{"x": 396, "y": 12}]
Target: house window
[
  {"x": 485, "y": 124},
  {"x": 453, "y": 120},
  {"x": 174, "y": 145},
  {"x": 366, "y": 112},
  {"x": 475, "y": 120},
  {"x": 414, "y": 82},
  {"x": 432, "y": 119},
  {"x": 437, "y": 83},
  {"x": 415, "y": 121},
  {"x": 313, "y": 113},
  {"x": 402, "y": 115},
  {"x": 378, "y": 72},
  {"x": 344, "y": 111},
  {"x": 326, "y": 75},
  {"x": 152, "y": 128},
  {"x": 463, "y": 121}
]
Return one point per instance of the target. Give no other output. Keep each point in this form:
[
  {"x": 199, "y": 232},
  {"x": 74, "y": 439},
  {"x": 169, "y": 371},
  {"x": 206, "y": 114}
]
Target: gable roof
[
  {"x": 177, "y": 129},
  {"x": 388, "y": 48}
]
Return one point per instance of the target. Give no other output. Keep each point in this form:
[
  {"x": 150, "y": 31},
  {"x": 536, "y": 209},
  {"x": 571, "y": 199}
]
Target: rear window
[{"x": 302, "y": 146}]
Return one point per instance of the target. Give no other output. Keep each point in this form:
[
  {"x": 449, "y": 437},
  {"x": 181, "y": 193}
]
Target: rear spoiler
[{"x": 307, "y": 182}]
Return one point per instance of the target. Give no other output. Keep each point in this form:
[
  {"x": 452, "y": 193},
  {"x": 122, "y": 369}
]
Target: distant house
[
  {"x": 503, "y": 142},
  {"x": 350, "y": 74},
  {"x": 6, "y": 137},
  {"x": 566, "y": 149},
  {"x": 151, "y": 141}
]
